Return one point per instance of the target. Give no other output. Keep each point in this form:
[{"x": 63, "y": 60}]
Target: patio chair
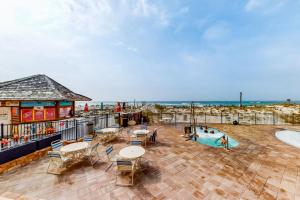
[
  {"x": 56, "y": 145},
  {"x": 136, "y": 142},
  {"x": 111, "y": 156},
  {"x": 144, "y": 127},
  {"x": 92, "y": 154},
  {"x": 88, "y": 139},
  {"x": 142, "y": 138},
  {"x": 120, "y": 133},
  {"x": 153, "y": 136},
  {"x": 125, "y": 166},
  {"x": 115, "y": 126},
  {"x": 57, "y": 161},
  {"x": 130, "y": 135}
]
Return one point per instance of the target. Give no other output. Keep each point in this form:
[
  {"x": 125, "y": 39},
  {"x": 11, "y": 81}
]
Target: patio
[{"x": 262, "y": 167}]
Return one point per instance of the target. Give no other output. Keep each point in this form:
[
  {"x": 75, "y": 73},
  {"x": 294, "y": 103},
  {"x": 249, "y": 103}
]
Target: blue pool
[{"x": 213, "y": 138}]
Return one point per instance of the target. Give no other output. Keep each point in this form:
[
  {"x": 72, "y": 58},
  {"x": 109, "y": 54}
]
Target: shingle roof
[{"x": 37, "y": 87}]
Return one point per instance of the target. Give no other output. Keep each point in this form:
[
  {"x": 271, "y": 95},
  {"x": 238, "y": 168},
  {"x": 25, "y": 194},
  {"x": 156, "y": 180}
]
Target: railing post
[
  {"x": 293, "y": 118},
  {"x": 75, "y": 124},
  {"x": 273, "y": 118},
  {"x": 119, "y": 119},
  {"x": 2, "y": 133},
  {"x": 175, "y": 119},
  {"x": 238, "y": 117},
  {"x": 221, "y": 117},
  {"x": 205, "y": 118},
  {"x": 106, "y": 125},
  {"x": 255, "y": 118}
]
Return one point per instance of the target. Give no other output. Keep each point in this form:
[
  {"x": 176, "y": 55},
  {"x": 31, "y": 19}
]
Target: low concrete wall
[{"x": 22, "y": 161}]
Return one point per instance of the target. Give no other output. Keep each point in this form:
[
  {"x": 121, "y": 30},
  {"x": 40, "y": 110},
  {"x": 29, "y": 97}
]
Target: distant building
[{"x": 36, "y": 98}]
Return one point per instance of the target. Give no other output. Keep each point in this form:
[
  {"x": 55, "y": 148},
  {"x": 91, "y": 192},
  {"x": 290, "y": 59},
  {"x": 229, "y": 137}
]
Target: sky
[{"x": 156, "y": 49}]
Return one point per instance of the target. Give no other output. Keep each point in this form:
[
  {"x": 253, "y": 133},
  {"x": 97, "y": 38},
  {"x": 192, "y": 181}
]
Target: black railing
[{"x": 70, "y": 129}]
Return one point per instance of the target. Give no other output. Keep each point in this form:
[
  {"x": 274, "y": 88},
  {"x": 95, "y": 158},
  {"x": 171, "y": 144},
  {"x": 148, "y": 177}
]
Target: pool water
[{"x": 214, "y": 140}]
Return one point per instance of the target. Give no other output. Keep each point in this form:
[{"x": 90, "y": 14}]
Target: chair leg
[
  {"x": 132, "y": 178},
  {"x": 107, "y": 168},
  {"x": 51, "y": 172},
  {"x": 124, "y": 185}
]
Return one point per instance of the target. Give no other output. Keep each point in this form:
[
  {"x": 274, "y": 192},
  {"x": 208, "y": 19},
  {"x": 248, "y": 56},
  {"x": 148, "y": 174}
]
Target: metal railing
[
  {"x": 259, "y": 118},
  {"x": 70, "y": 129}
]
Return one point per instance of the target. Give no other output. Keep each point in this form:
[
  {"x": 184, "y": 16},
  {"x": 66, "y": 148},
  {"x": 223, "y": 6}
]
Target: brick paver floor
[{"x": 262, "y": 167}]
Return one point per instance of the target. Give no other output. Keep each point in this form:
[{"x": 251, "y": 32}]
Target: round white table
[
  {"x": 75, "y": 149},
  {"x": 132, "y": 152},
  {"x": 108, "y": 130},
  {"x": 107, "y": 134},
  {"x": 142, "y": 131}
]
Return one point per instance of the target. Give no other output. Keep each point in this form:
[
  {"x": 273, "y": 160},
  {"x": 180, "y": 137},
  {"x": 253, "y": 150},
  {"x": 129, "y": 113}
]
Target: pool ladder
[{"x": 227, "y": 141}]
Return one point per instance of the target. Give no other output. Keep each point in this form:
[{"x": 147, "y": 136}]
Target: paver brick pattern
[{"x": 261, "y": 167}]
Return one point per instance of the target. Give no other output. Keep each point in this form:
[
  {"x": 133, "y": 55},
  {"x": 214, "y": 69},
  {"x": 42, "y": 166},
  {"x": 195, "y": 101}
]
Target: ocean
[{"x": 196, "y": 103}]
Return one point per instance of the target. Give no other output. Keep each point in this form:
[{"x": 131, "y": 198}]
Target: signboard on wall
[
  {"x": 12, "y": 103},
  {"x": 38, "y": 108},
  {"x": 15, "y": 111},
  {"x": 4, "y": 114},
  {"x": 37, "y": 103},
  {"x": 39, "y": 115},
  {"x": 65, "y": 103},
  {"x": 50, "y": 113},
  {"x": 27, "y": 115},
  {"x": 65, "y": 112}
]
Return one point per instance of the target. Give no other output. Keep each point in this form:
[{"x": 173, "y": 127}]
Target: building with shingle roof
[
  {"x": 36, "y": 98},
  {"x": 38, "y": 87}
]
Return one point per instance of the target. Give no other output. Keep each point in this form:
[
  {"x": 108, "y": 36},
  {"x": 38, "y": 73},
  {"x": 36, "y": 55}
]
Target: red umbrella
[
  {"x": 118, "y": 107},
  {"x": 86, "y": 108}
]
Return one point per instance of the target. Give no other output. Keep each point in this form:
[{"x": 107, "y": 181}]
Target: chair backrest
[
  {"x": 109, "y": 150},
  {"x": 144, "y": 127},
  {"x": 53, "y": 154},
  {"x": 124, "y": 165},
  {"x": 136, "y": 142},
  {"x": 88, "y": 138},
  {"x": 153, "y": 136},
  {"x": 95, "y": 147},
  {"x": 56, "y": 144},
  {"x": 155, "y": 133}
]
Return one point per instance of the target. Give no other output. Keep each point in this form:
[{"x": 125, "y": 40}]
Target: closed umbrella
[
  {"x": 101, "y": 105},
  {"x": 86, "y": 108}
]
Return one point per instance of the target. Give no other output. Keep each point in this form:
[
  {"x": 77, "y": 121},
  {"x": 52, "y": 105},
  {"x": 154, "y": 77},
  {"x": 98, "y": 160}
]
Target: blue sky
[{"x": 156, "y": 50}]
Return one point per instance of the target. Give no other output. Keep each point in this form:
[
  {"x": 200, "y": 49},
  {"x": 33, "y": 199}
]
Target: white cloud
[
  {"x": 145, "y": 9},
  {"x": 265, "y": 6},
  {"x": 216, "y": 31}
]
